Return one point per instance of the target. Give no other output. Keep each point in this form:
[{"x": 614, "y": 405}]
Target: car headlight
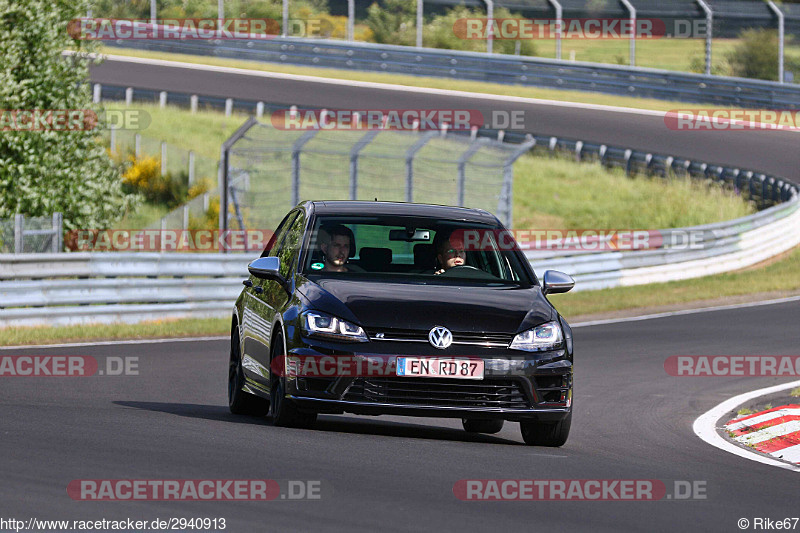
[
  {"x": 316, "y": 324},
  {"x": 544, "y": 337}
]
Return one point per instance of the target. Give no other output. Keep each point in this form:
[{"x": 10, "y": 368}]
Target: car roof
[{"x": 352, "y": 207}]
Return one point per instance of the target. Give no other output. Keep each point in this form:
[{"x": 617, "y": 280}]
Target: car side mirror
[
  {"x": 556, "y": 282},
  {"x": 268, "y": 268}
]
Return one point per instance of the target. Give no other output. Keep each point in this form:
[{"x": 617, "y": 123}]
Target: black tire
[
  {"x": 239, "y": 401},
  {"x": 472, "y": 425},
  {"x": 552, "y": 434},
  {"x": 284, "y": 411}
]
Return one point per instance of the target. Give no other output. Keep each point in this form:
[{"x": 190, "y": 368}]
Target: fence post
[
  {"x": 709, "y": 32},
  {"x": 163, "y": 158},
  {"x": 419, "y": 23},
  {"x": 410, "y": 154},
  {"x": 296, "y": 148},
  {"x": 191, "y": 167},
  {"x": 19, "y": 236},
  {"x": 284, "y": 18},
  {"x": 128, "y": 96},
  {"x": 351, "y": 16},
  {"x": 97, "y": 93},
  {"x": 507, "y": 195},
  {"x": 781, "y": 37},
  {"x": 559, "y": 25},
  {"x": 632, "y": 11},
  {"x": 113, "y": 139},
  {"x": 228, "y": 106},
  {"x": 162, "y": 99},
  {"x": 259, "y": 109},
  {"x": 193, "y": 103},
  {"x": 57, "y": 242},
  {"x": 462, "y": 167},
  {"x": 490, "y": 16},
  {"x": 357, "y": 147}
]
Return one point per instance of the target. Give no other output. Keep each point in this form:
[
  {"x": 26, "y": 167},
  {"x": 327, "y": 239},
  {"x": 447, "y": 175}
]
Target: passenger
[
  {"x": 336, "y": 241},
  {"x": 449, "y": 251}
]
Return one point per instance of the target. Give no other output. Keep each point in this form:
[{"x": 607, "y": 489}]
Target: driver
[
  {"x": 449, "y": 251},
  {"x": 336, "y": 244}
]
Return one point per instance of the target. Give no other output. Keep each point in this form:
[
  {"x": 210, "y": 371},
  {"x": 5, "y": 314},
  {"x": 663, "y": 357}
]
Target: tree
[{"x": 42, "y": 172}]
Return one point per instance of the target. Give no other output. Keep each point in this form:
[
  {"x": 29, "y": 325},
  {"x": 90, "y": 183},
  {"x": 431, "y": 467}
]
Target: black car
[{"x": 407, "y": 309}]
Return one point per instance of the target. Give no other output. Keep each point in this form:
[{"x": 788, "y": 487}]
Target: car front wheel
[
  {"x": 472, "y": 425},
  {"x": 284, "y": 411},
  {"x": 546, "y": 433},
  {"x": 239, "y": 401}
]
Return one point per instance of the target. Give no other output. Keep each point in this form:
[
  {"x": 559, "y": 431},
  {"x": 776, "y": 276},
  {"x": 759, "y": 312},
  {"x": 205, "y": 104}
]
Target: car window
[
  {"x": 279, "y": 234},
  {"x": 417, "y": 248},
  {"x": 289, "y": 248}
]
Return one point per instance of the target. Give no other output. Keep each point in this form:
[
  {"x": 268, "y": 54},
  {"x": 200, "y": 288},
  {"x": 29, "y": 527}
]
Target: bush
[
  {"x": 394, "y": 23},
  {"x": 143, "y": 176},
  {"x": 756, "y": 56}
]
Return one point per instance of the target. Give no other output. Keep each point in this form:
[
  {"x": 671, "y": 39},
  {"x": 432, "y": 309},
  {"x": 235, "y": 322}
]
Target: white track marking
[
  {"x": 768, "y": 433},
  {"x": 762, "y": 418},
  {"x": 705, "y": 426},
  {"x": 792, "y": 453}
]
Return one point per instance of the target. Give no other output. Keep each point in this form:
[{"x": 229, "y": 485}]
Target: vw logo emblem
[{"x": 440, "y": 337}]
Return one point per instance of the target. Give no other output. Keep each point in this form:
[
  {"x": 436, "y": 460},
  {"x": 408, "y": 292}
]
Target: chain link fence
[
  {"x": 31, "y": 235},
  {"x": 267, "y": 171}
]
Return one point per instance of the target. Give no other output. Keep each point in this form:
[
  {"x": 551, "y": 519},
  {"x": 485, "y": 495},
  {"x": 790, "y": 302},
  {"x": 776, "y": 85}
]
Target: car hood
[{"x": 378, "y": 305}]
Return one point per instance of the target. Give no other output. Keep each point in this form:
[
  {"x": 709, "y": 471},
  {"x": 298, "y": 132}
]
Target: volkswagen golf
[{"x": 406, "y": 309}]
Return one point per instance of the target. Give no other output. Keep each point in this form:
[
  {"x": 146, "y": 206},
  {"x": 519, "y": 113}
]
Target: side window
[
  {"x": 289, "y": 249},
  {"x": 277, "y": 239}
]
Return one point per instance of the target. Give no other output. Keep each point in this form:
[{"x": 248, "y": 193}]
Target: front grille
[
  {"x": 459, "y": 337},
  {"x": 502, "y": 393}
]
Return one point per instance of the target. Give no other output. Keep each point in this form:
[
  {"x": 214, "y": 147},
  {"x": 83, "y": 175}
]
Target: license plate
[{"x": 435, "y": 367}]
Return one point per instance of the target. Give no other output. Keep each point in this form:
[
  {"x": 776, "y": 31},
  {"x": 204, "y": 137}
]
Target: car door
[{"x": 260, "y": 306}]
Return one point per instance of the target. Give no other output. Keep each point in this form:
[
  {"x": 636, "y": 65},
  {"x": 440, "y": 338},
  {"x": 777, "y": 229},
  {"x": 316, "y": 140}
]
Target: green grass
[
  {"x": 549, "y": 192},
  {"x": 779, "y": 277},
  {"x": 204, "y": 131},
  {"x": 744, "y": 411},
  {"x": 193, "y": 327},
  {"x": 685, "y": 55},
  {"x": 795, "y": 393},
  {"x": 553, "y": 193}
]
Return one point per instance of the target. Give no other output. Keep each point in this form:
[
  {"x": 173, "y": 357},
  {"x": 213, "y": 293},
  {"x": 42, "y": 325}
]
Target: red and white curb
[
  {"x": 705, "y": 427},
  {"x": 774, "y": 431}
]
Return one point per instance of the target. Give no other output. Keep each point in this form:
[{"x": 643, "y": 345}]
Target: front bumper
[{"x": 516, "y": 386}]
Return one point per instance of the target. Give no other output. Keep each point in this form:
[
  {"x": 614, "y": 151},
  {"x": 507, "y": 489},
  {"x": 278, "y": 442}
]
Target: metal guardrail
[
  {"x": 132, "y": 287},
  {"x": 727, "y": 246},
  {"x": 495, "y": 68}
]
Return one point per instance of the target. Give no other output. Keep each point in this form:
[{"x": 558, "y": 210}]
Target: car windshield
[{"x": 412, "y": 248}]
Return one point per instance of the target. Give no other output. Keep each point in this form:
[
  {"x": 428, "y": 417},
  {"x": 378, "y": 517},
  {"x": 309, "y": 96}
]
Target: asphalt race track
[
  {"x": 773, "y": 152},
  {"x": 632, "y": 421}
]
